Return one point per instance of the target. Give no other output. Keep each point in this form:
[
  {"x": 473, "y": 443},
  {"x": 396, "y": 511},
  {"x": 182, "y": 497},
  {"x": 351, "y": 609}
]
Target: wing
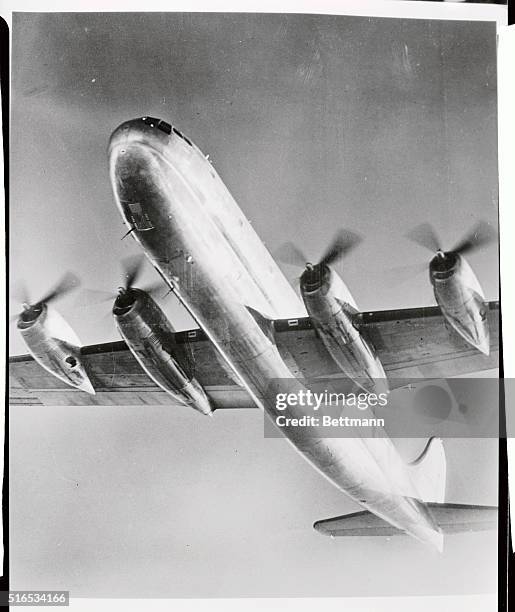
[
  {"x": 411, "y": 343},
  {"x": 118, "y": 379}
]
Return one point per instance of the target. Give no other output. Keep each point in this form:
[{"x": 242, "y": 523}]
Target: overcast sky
[{"x": 313, "y": 123}]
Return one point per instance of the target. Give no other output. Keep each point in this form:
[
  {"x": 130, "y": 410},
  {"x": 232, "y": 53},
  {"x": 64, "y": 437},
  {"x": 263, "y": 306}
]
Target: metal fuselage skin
[
  {"x": 150, "y": 338},
  {"x": 192, "y": 230},
  {"x": 460, "y": 297},
  {"x": 324, "y": 295},
  {"x": 54, "y": 345}
]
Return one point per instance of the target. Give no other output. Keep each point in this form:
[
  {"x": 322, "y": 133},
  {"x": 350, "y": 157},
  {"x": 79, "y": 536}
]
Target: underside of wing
[
  {"x": 417, "y": 342},
  {"x": 120, "y": 380},
  {"x": 411, "y": 344}
]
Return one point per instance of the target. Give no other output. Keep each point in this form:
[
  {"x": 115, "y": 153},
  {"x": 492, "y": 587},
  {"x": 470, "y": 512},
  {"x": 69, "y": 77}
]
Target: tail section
[
  {"x": 428, "y": 475},
  {"x": 429, "y": 472}
]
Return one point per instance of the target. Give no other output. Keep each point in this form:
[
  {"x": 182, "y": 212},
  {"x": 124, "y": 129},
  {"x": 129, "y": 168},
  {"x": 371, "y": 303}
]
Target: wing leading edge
[{"x": 411, "y": 343}]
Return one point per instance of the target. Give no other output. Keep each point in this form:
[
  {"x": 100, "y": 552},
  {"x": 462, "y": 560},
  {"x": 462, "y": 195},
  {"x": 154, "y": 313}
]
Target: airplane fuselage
[{"x": 192, "y": 230}]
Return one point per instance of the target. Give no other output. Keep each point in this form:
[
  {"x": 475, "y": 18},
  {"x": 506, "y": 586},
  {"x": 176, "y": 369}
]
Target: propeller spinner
[{"x": 127, "y": 293}]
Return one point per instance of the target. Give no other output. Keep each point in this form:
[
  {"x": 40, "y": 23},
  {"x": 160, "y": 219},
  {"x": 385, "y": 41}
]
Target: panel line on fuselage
[{"x": 178, "y": 295}]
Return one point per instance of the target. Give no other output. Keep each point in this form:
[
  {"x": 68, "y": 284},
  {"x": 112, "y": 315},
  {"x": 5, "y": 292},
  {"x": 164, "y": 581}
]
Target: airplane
[{"x": 254, "y": 341}]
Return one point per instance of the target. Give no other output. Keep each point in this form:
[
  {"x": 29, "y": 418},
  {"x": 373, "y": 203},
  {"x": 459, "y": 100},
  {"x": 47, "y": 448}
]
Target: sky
[{"x": 313, "y": 123}]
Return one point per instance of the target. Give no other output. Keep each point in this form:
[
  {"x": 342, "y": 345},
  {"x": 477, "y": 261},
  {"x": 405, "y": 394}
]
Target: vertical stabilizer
[{"x": 429, "y": 472}]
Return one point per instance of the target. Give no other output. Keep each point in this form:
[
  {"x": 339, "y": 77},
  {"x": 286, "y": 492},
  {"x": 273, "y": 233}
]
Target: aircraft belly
[
  {"x": 370, "y": 471},
  {"x": 219, "y": 310},
  {"x": 196, "y": 257},
  {"x": 174, "y": 207},
  {"x": 222, "y": 209}
]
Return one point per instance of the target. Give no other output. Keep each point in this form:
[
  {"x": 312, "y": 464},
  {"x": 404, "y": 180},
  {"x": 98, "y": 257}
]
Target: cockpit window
[
  {"x": 151, "y": 121},
  {"x": 176, "y": 131},
  {"x": 159, "y": 123},
  {"x": 165, "y": 127}
]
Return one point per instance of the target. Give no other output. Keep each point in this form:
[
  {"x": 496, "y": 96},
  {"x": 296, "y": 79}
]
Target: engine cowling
[
  {"x": 332, "y": 309},
  {"x": 151, "y": 339},
  {"x": 54, "y": 345},
  {"x": 460, "y": 297}
]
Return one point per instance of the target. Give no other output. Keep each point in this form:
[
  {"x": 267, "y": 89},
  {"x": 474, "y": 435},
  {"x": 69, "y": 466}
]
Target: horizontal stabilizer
[{"x": 451, "y": 518}]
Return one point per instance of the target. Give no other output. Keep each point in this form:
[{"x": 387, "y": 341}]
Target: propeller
[
  {"x": 67, "y": 283},
  {"x": 20, "y": 293},
  {"x": 425, "y": 235},
  {"x": 342, "y": 244},
  {"x": 132, "y": 268},
  {"x": 131, "y": 271},
  {"x": 478, "y": 236}
]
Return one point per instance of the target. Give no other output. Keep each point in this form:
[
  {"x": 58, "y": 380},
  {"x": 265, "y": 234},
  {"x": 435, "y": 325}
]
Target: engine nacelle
[
  {"x": 332, "y": 309},
  {"x": 151, "y": 339},
  {"x": 460, "y": 297},
  {"x": 54, "y": 345}
]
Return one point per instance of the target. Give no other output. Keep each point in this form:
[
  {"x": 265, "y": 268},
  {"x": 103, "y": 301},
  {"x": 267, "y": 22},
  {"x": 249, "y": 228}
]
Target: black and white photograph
[{"x": 254, "y": 320}]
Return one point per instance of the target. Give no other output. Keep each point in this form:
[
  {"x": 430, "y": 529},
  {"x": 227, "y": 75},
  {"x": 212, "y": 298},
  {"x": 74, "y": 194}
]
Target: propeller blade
[
  {"x": 13, "y": 318},
  {"x": 90, "y": 297},
  {"x": 342, "y": 244},
  {"x": 425, "y": 236},
  {"x": 20, "y": 293},
  {"x": 397, "y": 275},
  {"x": 132, "y": 269},
  {"x": 291, "y": 255},
  {"x": 68, "y": 282},
  {"x": 156, "y": 289},
  {"x": 480, "y": 235}
]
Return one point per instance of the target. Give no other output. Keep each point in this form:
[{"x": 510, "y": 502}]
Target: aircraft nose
[{"x": 148, "y": 131}]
